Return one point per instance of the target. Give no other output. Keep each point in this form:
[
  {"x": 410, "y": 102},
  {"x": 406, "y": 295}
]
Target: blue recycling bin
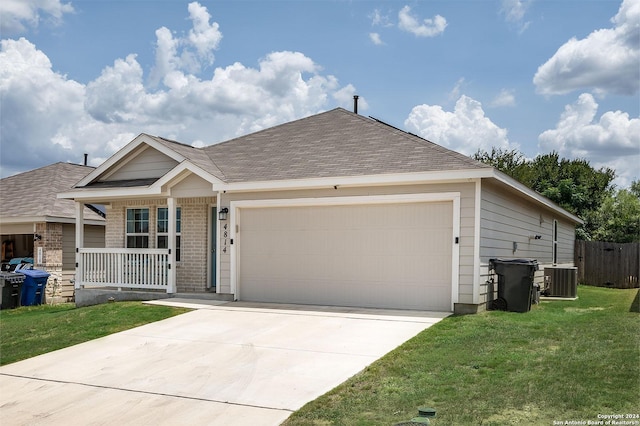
[{"x": 35, "y": 282}]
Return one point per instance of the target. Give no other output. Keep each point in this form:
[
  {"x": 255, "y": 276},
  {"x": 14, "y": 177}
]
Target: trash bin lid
[
  {"x": 532, "y": 262},
  {"x": 11, "y": 277},
  {"x": 35, "y": 273},
  {"x": 518, "y": 261}
]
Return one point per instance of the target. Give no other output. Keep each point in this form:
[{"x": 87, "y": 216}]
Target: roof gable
[
  {"x": 143, "y": 163},
  {"x": 144, "y": 160}
]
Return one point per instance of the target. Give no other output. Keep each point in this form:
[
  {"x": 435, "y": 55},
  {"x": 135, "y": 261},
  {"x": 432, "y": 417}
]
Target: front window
[
  {"x": 162, "y": 230},
  {"x": 138, "y": 228}
]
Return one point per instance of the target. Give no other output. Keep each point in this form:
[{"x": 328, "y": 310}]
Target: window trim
[{"x": 128, "y": 234}]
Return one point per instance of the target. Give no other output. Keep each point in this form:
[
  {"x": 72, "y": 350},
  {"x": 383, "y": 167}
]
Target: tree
[
  {"x": 618, "y": 217},
  {"x": 572, "y": 184},
  {"x": 635, "y": 188},
  {"x": 511, "y": 162}
]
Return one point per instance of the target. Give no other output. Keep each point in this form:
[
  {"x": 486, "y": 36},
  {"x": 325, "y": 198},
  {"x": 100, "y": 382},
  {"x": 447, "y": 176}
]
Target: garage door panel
[{"x": 386, "y": 255}]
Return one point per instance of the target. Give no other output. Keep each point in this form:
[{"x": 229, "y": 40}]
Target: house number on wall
[{"x": 225, "y": 234}]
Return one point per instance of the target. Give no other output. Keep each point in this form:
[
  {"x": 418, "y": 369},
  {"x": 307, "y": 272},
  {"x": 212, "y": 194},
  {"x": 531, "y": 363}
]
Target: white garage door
[{"x": 373, "y": 255}]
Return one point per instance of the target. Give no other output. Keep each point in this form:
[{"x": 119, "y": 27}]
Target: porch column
[
  {"x": 171, "y": 243},
  {"x": 79, "y": 242}
]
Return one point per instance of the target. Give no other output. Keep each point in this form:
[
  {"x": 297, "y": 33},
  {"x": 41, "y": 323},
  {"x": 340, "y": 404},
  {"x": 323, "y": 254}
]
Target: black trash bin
[
  {"x": 515, "y": 283},
  {"x": 11, "y": 289},
  {"x": 34, "y": 286}
]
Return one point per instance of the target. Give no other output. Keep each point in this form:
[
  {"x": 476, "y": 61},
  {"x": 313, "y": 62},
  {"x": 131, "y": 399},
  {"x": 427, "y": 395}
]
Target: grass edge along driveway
[
  {"x": 563, "y": 361},
  {"x": 34, "y": 330}
]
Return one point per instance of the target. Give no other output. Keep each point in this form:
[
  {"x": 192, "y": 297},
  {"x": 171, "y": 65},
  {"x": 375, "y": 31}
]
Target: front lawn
[
  {"x": 33, "y": 330},
  {"x": 563, "y": 361}
]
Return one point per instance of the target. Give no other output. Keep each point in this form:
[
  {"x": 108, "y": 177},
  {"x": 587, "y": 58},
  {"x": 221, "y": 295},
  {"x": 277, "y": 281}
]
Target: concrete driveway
[{"x": 229, "y": 364}]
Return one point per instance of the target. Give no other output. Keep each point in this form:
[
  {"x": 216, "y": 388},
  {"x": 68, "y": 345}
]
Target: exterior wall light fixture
[{"x": 222, "y": 214}]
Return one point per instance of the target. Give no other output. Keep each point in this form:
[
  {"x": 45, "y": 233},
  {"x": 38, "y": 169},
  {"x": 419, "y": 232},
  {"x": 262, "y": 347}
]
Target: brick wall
[
  {"x": 114, "y": 228},
  {"x": 51, "y": 245}
]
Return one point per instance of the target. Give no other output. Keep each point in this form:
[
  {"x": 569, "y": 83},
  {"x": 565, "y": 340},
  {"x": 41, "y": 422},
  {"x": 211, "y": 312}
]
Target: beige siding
[
  {"x": 68, "y": 247},
  {"x": 150, "y": 163},
  {"x": 16, "y": 228},
  {"x": 94, "y": 237},
  {"x": 467, "y": 202},
  {"x": 566, "y": 243},
  {"x": 192, "y": 186},
  {"x": 506, "y": 218}
]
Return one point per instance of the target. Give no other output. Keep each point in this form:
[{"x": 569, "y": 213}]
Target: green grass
[
  {"x": 564, "y": 360},
  {"x": 33, "y": 330}
]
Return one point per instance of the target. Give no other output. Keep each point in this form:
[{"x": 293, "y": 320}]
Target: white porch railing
[{"x": 132, "y": 268}]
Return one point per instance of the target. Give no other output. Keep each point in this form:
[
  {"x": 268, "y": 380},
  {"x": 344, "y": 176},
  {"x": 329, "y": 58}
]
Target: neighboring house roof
[
  {"x": 334, "y": 143},
  {"x": 32, "y": 196}
]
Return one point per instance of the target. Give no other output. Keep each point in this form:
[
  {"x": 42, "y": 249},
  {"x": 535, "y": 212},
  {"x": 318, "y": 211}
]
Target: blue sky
[{"x": 538, "y": 76}]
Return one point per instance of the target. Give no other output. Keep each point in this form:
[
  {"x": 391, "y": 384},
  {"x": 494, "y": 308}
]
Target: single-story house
[
  {"x": 36, "y": 224},
  {"x": 332, "y": 209}
]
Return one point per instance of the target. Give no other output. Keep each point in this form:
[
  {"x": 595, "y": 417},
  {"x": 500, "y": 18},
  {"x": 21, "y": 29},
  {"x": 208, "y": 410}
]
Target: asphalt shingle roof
[
  {"x": 34, "y": 193},
  {"x": 330, "y": 144},
  {"x": 334, "y": 143},
  {"x": 196, "y": 155}
]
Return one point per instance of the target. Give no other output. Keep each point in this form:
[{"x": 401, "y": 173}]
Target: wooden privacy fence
[{"x": 608, "y": 264}]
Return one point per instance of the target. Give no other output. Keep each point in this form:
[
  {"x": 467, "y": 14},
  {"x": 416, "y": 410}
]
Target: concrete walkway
[{"x": 221, "y": 364}]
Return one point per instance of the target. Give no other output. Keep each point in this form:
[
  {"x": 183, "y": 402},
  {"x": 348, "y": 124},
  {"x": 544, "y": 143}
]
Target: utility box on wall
[{"x": 561, "y": 282}]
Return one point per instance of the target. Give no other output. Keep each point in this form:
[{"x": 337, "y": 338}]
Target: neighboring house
[
  {"x": 332, "y": 209},
  {"x": 35, "y": 224}
]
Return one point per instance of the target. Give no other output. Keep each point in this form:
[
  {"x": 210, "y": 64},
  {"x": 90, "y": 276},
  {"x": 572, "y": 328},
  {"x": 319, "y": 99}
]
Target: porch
[
  {"x": 118, "y": 274},
  {"x": 152, "y": 245},
  {"x": 124, "y": 268}
]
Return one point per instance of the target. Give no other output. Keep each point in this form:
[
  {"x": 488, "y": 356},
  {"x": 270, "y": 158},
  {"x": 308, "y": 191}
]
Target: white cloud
[
  {"x": 426, "y": 28},
  {"x": 611, "y": 141},
  {"x": 344, "y": 98},
  {"x": 375, "y": 38},
  {"x": 503, "y": 99},
  {"x": 47, "y": 117},
  {"x": 203, "y": 36},
  {"x": 17, "y": 15},
  {"x": 34, "y": 100},
  {"x": 465, "y": 130},
  {"x": 189, "y": 53},
  {"x": 608, "y": 60},
  {"x": 379, "y": 19},
  {"x": 455, "y": 92},
  {"x": 514, "y": 12}
]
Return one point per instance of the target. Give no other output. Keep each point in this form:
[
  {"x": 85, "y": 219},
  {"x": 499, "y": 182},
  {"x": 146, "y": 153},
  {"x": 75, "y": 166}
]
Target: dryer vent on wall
[{"x": 561, "y": 282}]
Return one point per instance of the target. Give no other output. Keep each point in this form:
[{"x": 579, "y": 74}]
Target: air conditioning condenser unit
[{"x": 561, "y": 282}]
